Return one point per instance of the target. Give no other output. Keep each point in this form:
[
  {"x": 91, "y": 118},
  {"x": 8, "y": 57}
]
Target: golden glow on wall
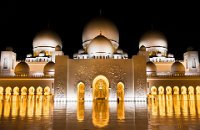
[
  {"x": 80, "y": 91},
  {"x": 39, "y": 90},
  {"x": 16, "y": 91},
  {"x": 161, "y": 90},
  {"x": 31, "y": 91},
  {"x": 47, "y": 90},
  {"x": 23, "y": 91},
  {"x": 168, "y": 90},
  {"x": 153, "y": 90},
  {"x": 120, "y": 91},
  {"x": 100, "y": 87},
  {"x": 100, "y": 113},
  {"x": 176, "y": 90}
]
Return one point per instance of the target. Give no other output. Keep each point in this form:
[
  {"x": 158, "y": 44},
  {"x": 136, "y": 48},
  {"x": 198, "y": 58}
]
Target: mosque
[{"x": 100, "y": 70}]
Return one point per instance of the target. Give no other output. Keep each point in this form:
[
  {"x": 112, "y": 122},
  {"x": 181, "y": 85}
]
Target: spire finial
[{"x": 100, "y": 32}]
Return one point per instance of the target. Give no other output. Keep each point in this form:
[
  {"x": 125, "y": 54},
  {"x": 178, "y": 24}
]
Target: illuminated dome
[
  {"x": 142, "y": 48},
  {"x": 22, "y": 69},
  {"x": 58, "y": 48},
  {"x": 177, "y": 68},
  {"x": 151, "y": 68},
  {"x": 49, "y": 69},
  {"x": 103, "y": 26},
  {"x": 47, "y": 38},
  {"x": 153, "y": 39},
  {"x": 101, "y": 45}
]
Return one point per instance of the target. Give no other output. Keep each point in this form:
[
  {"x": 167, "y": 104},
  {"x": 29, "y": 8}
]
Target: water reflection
[
  {"x": 100, "y": 113},
  {"x": 174, "y": 105},
  {"x": 120, "y": 111},
  {"x": 164, "y": 112},
  {"x": 24, "y": 106},
  {"x": 80, "y": 110}
]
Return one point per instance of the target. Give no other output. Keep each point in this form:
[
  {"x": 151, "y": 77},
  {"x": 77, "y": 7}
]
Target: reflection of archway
[
  {"x": 80, "y": 91},
  {"x": 100, "y": 87},
  {"x": 100, "y": 113},
  {"x": 120, "y": 91}
]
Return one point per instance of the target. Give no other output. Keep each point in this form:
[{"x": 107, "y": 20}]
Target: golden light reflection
[
  {"x": 192, "y": 107},
  {"x": 46, "y": 107},
  {"x": 80, "y": 111},
  {"x": 154, "y": 108},
  {"x": 1, "y": 108},
  {"x": 7, "y": 106},
  {"x": 38, "y": 108},
  {"x": 184, "y": 107},
  {"x": 198, "y": 108},
  {"x": 23, "y": 106},
  {"x": 100, "y": 113},
  {"x": 30, "y": 108},
  {"x": 178, "y": 106},
  {"x": 15, "y": 107},
  {"x": 120, "y": 111},
  {"x": 161, "y": 105}
]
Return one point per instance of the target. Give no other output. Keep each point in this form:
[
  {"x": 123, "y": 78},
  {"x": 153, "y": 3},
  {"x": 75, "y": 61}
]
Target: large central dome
[
  {"x": 153, "y": 39},
  {"x": 100, "y": 45},
  {"x": 47, "y": 38},
  {"x": 103, "y": 26}
]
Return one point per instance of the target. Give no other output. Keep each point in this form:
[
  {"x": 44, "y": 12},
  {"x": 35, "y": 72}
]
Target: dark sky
[{"x": 20, "y": 22}]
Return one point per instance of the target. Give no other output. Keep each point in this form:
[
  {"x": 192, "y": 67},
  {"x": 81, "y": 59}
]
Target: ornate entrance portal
[{"x": 100, "y": 87}]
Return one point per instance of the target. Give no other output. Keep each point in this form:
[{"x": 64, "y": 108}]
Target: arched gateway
[{"x": 100, "y": 88}]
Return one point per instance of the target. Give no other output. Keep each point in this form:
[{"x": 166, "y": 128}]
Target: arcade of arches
[{"x": 100, "y": 89}]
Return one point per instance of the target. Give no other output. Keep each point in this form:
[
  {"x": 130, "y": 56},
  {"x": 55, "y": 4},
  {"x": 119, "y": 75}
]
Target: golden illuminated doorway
[
  {"x": 80, "y": 91},
  {"x": 120, "y": 91},
  {"x": 100, "y": 88}
]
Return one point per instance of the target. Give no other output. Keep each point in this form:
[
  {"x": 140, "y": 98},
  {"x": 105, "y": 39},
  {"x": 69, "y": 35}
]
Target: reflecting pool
[{"x": 41, "y": 113}]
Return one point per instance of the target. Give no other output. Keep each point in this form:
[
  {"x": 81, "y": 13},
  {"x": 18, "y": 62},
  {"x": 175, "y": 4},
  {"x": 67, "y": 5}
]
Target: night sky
[{"x": 20, "y": 22}]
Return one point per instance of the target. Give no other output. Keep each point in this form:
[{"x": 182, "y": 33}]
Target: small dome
[
  {"x": 29, "y": 55},
  {"x": 170, "y": 55},
  {"x": 153, "y": 39},
  {"x": 151, "y": 68},
  {"x": 177, "y": 68},
  {"x": 142, "y": 48},
  {"x": 81, "y": 51},
  {"x": 22, "y": 69},
  {"x": 100, "y": 44},
  {"x": 49, "y": 69},
  {"x": 47, "y": 38},
  {"x": 119, "y": 51},
  {"x": 103, "y": 26},
  {"x": 9, "y": 48},
  {"x": 58, "y": 48}
]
